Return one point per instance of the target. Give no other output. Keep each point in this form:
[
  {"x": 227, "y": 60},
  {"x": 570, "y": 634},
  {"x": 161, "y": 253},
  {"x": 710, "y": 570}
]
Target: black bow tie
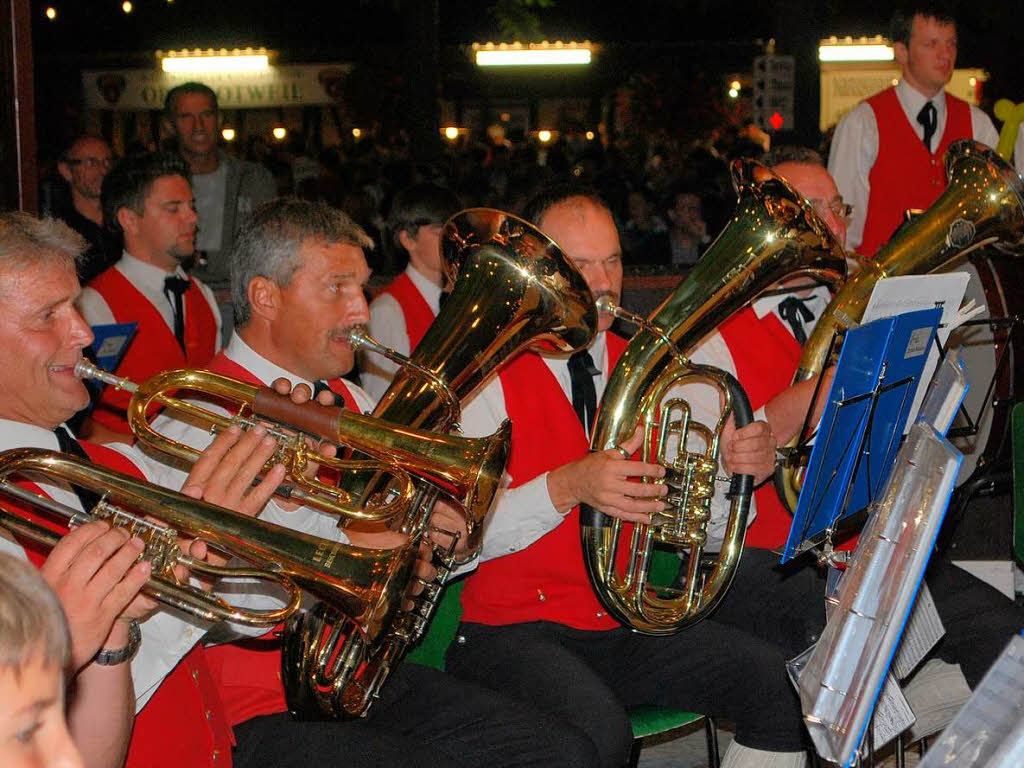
[
  {"x": 321, "y": 386},
  {"x": 174, "y": 289},
  {"x": 795, "y": 312},
  {"x": 69, "y": 444},
  {"x": 929, "y": 119},
  {"x": 584, "y": 394}
]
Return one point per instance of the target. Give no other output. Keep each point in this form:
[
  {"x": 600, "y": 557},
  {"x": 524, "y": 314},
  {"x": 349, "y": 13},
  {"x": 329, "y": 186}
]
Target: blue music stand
[
  {"x": 878, "y": 372},
  {"x": 110, "y": 342}
]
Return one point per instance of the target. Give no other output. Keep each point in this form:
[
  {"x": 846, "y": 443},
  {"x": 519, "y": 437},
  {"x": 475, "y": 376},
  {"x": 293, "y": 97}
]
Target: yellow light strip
[
  {"x": 876, "y": 52},
  {"x": 244, "y": 63},
  {"x": 532, "y": 58}
]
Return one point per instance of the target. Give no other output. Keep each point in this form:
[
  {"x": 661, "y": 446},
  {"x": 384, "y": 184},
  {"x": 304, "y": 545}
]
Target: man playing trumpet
[
  {"x": 298, "y": 274},
  {"x": 93, "y": 570}
]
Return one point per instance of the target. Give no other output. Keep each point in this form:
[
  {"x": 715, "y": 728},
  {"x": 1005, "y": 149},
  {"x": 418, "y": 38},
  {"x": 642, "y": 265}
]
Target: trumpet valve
[{"x": 160, "y": 541}]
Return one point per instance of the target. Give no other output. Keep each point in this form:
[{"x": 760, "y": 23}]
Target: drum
[{"x": 983, "y": 434}]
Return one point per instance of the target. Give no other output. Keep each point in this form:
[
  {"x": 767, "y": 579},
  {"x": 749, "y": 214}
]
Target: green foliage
[{"x": 518, "y": 19}]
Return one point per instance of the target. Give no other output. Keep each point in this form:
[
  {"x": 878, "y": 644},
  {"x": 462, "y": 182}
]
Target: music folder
[{"x": 869, "y": 402}]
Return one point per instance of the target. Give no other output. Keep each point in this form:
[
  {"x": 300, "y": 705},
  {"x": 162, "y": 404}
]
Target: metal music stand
[{"x": 869, "y": 401}]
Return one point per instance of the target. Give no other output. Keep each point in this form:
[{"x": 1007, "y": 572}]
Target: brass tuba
[
  {"x": 357, "y": 581},
  {"x": 512, "y": 288},
  {"x": 773, "y": 234},
  {"x": 982, "y": 206}
]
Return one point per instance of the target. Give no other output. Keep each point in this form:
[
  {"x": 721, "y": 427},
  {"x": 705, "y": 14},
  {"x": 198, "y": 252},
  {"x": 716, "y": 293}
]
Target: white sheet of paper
[
  {"x": 893, "y": 714},
  {"x": 896, "y": 295},
  {"x": 924, "y": 629}
]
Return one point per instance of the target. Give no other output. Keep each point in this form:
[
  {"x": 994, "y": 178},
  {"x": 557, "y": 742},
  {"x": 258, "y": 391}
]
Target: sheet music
[
  {"x": 989, "y": 730},
  {"x": 895, "y": 295},
  {"x": 924, "y": 630},
  {"x": 893, "y": 714}
]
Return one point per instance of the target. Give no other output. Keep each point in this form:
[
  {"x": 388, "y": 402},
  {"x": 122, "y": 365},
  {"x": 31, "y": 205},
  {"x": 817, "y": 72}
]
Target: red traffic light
[{"x": 775, "y": 120}]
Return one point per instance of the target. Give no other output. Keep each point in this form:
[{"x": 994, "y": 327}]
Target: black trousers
[
  {"x": 785, "y": 605},
  {"x": 424, "y": 717},
  {"x": 589, "y": 679}
]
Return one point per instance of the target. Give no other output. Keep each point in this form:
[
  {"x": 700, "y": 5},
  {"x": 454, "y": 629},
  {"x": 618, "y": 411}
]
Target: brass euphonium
[
  {"x": 355, "y": 580},
  {"x": 512, "y": 288},
  {"x": 773, "y": 234},
  {"x": 982, "y": 206}
]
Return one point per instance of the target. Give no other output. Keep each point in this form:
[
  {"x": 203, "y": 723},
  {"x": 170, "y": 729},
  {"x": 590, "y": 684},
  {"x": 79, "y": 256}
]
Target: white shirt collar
[
  {"x": 912, "y": 100},
  {"x": 143, "y": 274},
  {"x": 559, "y": 366},
  {"x": 17, "y": 434},
  {"x": 816, "y": 301},
  {"x": 430, "y": 290},
  {"x": 252, "y": 361}
]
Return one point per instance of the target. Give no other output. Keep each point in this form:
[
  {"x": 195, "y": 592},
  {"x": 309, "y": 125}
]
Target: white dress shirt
[
  {"x": 168, "y": 635},
  {"x": 1018, "y": 150},
  {"x": 387, "y": 325},
  {"x": 149, "y": 281},
  {"x": 855, "y": 148},
  {"x": 522, "y": 515}
]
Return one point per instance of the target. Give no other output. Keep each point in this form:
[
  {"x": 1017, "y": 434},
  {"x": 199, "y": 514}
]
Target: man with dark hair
[
  {"x": 532, "y": 626},
  {"x": 83, "y": 166},
  {"x": 149, "y": 199},
  {"x": 687, "y": 233},
  {"x": 226, "y": 189},
  {"x": 404, "y": 310},
  {"x": 887, "y": 154},
  {"x": 298, "y": 276}
]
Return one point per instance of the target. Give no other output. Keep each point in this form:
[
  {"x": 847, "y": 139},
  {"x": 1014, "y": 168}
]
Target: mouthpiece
[
  {"x": 86, "y": 369},
  {"x": 606, "y": 304},
  {"x": 358, "y": 337}
]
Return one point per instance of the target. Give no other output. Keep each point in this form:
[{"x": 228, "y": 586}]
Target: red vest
[
  {"x": 248, "y": 672},
  {"x": 153, "y": 348},
  {"x": 183, "y": 723},
  {"x": 548, "y": 580},
  {"x": 905, "y": 175},
  {"x": 417, "y": 313}
]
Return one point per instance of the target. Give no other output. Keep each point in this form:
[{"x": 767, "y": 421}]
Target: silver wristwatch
[{"x": 107, "y": 658}]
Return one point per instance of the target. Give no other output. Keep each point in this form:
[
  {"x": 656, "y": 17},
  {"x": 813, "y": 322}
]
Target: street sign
[{"x": 773, "y": 92}]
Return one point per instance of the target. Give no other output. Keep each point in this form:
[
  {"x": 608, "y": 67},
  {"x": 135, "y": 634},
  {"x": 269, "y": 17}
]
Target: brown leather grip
[{"x": 310, "y": 417}]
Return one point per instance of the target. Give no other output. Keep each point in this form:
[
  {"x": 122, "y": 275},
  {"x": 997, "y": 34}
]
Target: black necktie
[
  {"x": 321, "y": 386},
  {"x": 174, "y": 290},
  {"x": 928, "y": 118},
  {"x": 795, "y": 312},
  {"x": 68, "y": 444},
  {"x": 584, "y": 394}
]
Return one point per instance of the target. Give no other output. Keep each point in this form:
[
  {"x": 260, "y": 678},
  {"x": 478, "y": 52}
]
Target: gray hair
[
  {"x": 32, "y": 623},
  {"x": 269, "y": 242},
  {"x": 26, "y": 241},
  {"x": 791, "y": 153}
]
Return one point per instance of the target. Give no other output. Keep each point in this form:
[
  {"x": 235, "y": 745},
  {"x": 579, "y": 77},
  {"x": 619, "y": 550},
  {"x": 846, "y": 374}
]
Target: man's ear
[
  {"x": 901, "y": 53},
  {"x": 64, "y": 170},
  {"x": 406, "y": 240},
  {"x": 128, "y": 219},
  {"x": 264, "y": 297}
]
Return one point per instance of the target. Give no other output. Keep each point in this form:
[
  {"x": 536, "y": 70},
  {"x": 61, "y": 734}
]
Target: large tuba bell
[
  {"x": 357, "y": 581},
  {"x": 982, "y": 206},
  {"x": 512, "y": 289},
  {"x": 773, "y": 234}
]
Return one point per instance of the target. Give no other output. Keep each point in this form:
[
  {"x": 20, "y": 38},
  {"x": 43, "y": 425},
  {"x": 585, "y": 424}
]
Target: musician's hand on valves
[
  {"x": 96, "y": 576},
  {"x": 446, "y": 518},
  {"x": 603, "y": 480},
  {"x": 225, "y": 471},
  {"x": 749, "y": 450}
]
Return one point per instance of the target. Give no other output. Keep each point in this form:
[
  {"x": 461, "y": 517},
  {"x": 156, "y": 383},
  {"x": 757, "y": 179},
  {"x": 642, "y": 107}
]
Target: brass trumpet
[
  {"x": 469, "y": 470},
  {"x": 360, "y": 582}
]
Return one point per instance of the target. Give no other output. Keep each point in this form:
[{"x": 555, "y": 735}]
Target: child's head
[
  {"x": 415, "y": 222},
  {"x": 33, "y": 653}
]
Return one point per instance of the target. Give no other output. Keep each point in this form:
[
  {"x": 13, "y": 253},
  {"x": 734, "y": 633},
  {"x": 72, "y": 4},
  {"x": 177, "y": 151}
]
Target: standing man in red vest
[
  {"x": 298, "y": 276},
  {"x": 149, "y": 198},
  {"x": 128, "y": 663},
  {"x": 532, "y": 626},
  {"x": 887, "y": 154},
  {"x": 404, "y": 310}
]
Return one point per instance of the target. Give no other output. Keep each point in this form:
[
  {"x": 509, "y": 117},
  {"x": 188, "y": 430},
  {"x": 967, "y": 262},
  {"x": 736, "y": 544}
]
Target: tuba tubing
[{"x": 983, "y": 205}]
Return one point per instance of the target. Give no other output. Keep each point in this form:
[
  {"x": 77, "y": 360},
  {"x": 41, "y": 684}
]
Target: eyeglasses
[
  {"x": 92, "y": 162},
  {"x": 836, "y": 205}
]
